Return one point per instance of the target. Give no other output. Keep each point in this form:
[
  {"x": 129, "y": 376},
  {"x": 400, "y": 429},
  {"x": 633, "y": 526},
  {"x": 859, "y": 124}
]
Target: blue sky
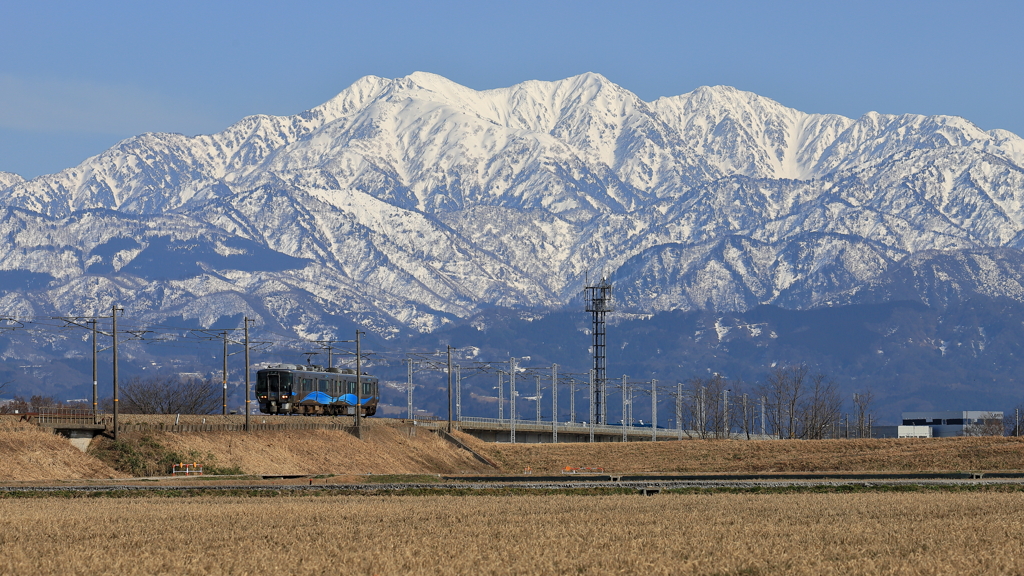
[{"x": 77, "y": 77}]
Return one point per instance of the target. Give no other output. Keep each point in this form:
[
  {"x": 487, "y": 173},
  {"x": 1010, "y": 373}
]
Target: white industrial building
[
  {"x": 914, "y": 432},
  {"x": 943, "y": 424}
]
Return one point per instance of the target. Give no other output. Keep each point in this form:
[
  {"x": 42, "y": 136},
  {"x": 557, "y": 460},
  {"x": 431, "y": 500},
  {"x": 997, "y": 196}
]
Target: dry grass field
[
  {"x": 31, "y": 453},
  {"x": 741, "y": 456},
  {"x": 865, "y": 533}
]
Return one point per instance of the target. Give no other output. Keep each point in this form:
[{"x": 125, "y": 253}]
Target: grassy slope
[
  {"x": 29, "y": 453},
  {"x": 737, "y": 456}
]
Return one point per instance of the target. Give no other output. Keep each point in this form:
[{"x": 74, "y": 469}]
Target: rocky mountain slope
[{"x": 406, "y": 204}]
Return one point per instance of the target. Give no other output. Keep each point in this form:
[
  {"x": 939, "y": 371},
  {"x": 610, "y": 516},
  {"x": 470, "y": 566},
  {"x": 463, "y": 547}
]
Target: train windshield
[
  {"x": 273, "y": 383},
  {"x": 285, "y": 383}
]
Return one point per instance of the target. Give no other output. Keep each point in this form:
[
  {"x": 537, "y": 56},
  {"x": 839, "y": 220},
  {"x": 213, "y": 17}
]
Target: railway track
[{"x": 641, "y": 483}]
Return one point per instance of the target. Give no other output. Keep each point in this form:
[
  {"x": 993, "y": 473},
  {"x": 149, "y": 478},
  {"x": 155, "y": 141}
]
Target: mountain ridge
[{"x": 409, "y": 203}]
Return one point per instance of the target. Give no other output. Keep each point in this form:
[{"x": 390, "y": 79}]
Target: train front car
[
  {"x": 296, "y": 389},
  {"x": 274, "y": 389}
]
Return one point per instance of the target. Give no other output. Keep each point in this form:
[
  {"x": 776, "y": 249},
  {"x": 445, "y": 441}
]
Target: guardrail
[{"x": 62, "y": 416}]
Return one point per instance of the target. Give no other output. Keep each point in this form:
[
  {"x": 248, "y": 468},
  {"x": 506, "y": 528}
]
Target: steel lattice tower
[{"x": 599, "y": 303}]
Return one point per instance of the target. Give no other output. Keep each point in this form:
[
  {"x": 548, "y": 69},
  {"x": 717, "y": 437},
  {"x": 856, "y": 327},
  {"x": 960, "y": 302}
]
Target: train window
[
  {"x": 261, "y": 383},
  {"x": 323, "y": 386},
  {"x": 367, "y": 389},
  {"x": 274, "y": 383},
  {"x": 351, "y": 387},
  {"x": 307, "y": 385}
]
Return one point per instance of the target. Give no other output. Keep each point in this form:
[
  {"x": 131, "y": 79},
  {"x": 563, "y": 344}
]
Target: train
[{"x": 314, "y": 390}]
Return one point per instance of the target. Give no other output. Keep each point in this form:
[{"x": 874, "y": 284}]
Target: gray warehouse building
[{"x": 944, "y": 424}]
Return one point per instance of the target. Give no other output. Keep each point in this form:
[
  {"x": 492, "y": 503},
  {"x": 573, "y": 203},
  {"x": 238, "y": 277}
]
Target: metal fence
[{"x": 64, "y": 416}]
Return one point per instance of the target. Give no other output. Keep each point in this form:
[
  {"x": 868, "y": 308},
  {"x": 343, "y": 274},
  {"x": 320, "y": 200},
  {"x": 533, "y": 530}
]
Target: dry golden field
[
  {"x": 742, "y": 456},
  {"x": 863, "y": 533}
]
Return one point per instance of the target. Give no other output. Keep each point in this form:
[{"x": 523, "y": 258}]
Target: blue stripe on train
[{"x": 321, "y": 398}]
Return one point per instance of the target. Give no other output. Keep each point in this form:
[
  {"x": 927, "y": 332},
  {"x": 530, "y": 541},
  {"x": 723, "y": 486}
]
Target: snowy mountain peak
[
  {"x": 406, "y": 203},
  {"x": 8, "y": 179}
]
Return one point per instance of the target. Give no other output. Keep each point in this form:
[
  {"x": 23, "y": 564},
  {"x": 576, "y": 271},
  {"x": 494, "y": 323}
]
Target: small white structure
[{"x": 914, "y": 432}]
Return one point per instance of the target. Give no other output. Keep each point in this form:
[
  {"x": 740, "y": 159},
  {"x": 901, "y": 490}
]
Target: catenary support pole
[
  {"x": 654, "y": 410},
  {"x": 408, "y": 390},
  {"x": 625, "y": 409},
  {"x": 512, "y": 400},
  {"x": 359, "y": 385},
  {"x": 449, "y": 389},
  {"x": 703, "y": 413},
  {"x": 95, "y": 392},
  {"x": 763, "y": 427},
  {"x": 224, "y": 376},
  {"x": 554, "y": 403},
  {"x": 572, "y": 400},
  {"x": 679, "y": 410},
  {"x": 746, "y": 418},
  {"x": 536, "y": 377},
  {"x": 458, "y": 393},
  {"x": 245, "y": 331},
  {"x": 113, "y": 316},
  {"x": 725, "y": 414},
  {"x": 501, "y": 397}
]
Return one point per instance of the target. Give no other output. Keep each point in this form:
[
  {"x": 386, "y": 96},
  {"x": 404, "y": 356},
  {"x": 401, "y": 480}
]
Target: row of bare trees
[
  {"x": 153, "y": 395},
  {"x": 802, "y": 405},
  {"x": 37, "y": 403},
  {"x": 169, "y": 395},
  {"x": 791, "y": 403}
]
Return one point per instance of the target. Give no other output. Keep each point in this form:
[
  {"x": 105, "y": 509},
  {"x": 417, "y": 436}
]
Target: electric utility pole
[
  {"x": 113, "y": 316},
  {"x": 359, "y": 383}
]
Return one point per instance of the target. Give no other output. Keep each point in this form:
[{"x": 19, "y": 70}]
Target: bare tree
[
  {"x": 704, "y": 409},
  {"x": 36, "y": 403},
  {"x": 783, "y": 390},
  {"x": 862, "y": 411},
  {"x": 169, "y": 395},
  {"x": 821, "y": 408},
  {"x": 800, "y": 405},
  {"x": 988, "y": 425}
]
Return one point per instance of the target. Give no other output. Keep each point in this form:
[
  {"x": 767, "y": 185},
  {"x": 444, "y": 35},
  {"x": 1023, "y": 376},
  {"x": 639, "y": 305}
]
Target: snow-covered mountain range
[{"x": 404, "y": 204}]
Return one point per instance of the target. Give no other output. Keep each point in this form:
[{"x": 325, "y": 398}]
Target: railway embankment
[
  {"x": 150, "y": 445},
  {"x": 28, "y": 452}
]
